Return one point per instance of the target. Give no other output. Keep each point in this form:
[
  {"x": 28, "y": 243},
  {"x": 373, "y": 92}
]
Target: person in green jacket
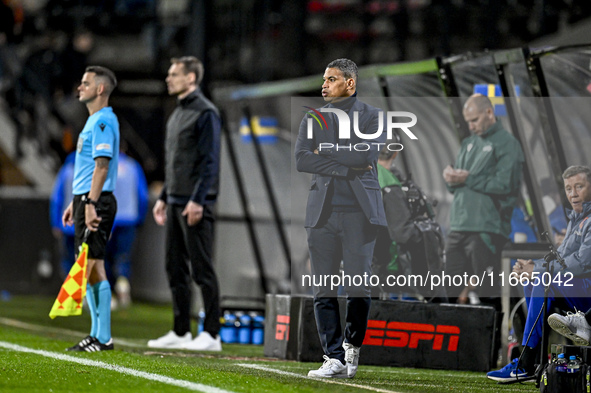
[{"x": 485, "y": 183}]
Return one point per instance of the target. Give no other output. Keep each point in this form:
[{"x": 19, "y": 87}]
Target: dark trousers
[
  {"x": 474, "y": 253},
  {"x": 192, "y": 244},
  {"x": 351, "y": 238},
  {"x": 477, "y": 253}
]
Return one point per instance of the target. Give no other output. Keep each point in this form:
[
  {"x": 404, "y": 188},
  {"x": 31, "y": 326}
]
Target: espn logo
[
  {"x": 282, "y": 328},
  {"x": 406, "y": 334}
]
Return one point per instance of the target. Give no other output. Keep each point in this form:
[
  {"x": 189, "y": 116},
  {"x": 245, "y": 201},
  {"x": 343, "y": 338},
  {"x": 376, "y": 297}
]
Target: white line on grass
[
  {"x": 326, "y": 380},
  {"x": 37, "y": 328},
  {"x": 336, "y": 381},
  {"x": 198, "y": 387},
  {"x": 406, "y": 372}
]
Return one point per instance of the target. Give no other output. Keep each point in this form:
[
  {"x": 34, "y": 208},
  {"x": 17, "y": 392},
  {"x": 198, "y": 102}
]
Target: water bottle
[
  {"x": 561, "y": 363},
  {"x": 244, "y": 331},
  {"x": 573, "y": 365},
  {"x": 258, "y": 324},
  {"x": 228, "y": 329}
]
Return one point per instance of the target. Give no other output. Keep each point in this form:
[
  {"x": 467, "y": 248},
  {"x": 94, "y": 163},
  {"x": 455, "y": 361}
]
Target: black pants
[
  {"x": 475, "y": 253},
  {"x": 350, "y": 237},
  {"x": 192, "y": 244},
  {"x": 97, "y": 241}
]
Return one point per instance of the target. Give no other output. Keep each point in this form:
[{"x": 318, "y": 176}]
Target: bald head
[
  {"x": 479, "y": 114},
  {"x": 479, "y": 102}
]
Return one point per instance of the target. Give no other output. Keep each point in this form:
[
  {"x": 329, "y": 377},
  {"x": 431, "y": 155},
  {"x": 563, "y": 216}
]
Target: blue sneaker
[{"x": 510, "y": 373}]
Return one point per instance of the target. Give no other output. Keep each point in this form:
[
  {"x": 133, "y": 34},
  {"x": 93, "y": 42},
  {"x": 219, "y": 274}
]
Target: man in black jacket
[
  {"x": 343, "y": 212},
  {"x": 192, "y": 154}
]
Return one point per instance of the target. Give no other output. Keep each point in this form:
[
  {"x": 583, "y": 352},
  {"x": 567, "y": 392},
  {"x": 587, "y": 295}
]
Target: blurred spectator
[
  {"x": 74, "y": 60},
  {"x": 549, "y": 17},
  {"x": 489, "y": 19},
  {"x": 401, "y": 21},
  {"x": 38, "y": 83},
  {"x": 6, "y": 37},
  {"x": 579, "y": 9},
  {"x": 9, "y": 63},
  {"x": 61, "y": 197},
  {"x": 132, "y": 203},
  {"x": 438, "y": 27}
]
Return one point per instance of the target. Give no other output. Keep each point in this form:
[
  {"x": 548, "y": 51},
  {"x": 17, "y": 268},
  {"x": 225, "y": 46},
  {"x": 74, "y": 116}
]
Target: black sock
[{"x": 529, "y": 359}]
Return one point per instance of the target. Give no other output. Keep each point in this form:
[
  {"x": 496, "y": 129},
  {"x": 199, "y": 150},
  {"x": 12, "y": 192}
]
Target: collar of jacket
[
  {"x": 190, "y": 98},
  {"x": 494, "y": 128},
  {"x": 345, "y": 104},
  {"x": 575, "y": 217}
]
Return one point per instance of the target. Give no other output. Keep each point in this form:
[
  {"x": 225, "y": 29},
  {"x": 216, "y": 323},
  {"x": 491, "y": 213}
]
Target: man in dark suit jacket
[{"x": 343, "y": 211}]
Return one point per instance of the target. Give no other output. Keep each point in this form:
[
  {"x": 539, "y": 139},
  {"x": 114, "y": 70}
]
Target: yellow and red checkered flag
[{"x": 69, "y": 300}]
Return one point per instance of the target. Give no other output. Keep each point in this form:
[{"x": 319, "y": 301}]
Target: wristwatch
[{"x": 89, "y": 201}]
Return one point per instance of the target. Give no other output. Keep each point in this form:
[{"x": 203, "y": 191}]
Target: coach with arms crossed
[{"x": 343, "y": 211}]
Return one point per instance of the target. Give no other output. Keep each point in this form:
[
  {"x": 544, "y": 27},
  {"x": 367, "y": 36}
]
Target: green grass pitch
[{"x": 32, "y": 359}]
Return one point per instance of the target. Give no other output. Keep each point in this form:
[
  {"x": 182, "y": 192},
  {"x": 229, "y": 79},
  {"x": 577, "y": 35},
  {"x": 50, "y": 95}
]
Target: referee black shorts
[{"x": 97, "y": 241}]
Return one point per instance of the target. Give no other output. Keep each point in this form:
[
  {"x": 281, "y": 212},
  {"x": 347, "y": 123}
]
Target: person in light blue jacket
[
  {"x": 58, "y": 202},
  {"x": 570, "y": 284},
  {"x": 132, "y": 199}
]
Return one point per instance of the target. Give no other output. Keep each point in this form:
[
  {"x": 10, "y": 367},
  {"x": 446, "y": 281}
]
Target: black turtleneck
[{"x": 345, "y": 104}]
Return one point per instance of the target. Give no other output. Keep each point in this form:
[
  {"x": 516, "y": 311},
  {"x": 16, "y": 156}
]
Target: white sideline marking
[
  {"x": 36, "y": 328},
  {"x": 327, "y": 380},
  {"x": 198, "y": 387}
]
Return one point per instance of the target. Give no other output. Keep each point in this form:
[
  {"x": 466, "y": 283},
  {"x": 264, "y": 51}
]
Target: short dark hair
[
  {"x": 575, "y": 170},
  {"x": 191, "y": 64},
  {"x": 105, "y": 75},
  {"x": 346, "y": 66}
]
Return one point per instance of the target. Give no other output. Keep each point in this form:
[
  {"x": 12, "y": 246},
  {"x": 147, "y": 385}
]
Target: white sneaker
[
  {"x": 574, "y": 327},
  {"x": 204, "y": 342},
  {"x": 352, "y": 358},
  {"x": 170, "y": 340},
  {"x": 331, "y": 368}
]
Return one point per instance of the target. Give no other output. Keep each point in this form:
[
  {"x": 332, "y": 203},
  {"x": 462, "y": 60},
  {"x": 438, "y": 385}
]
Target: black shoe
[
  {"x": 97, "y": 346},
  {"x": 82, "y": 344}
]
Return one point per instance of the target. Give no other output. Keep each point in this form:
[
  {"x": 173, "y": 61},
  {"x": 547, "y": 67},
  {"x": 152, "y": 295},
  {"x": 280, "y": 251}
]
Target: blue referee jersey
[{"x": 99, "y": 138}]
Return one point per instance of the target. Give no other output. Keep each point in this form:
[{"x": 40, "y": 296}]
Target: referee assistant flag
[{"x": 71, "y": 295}]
